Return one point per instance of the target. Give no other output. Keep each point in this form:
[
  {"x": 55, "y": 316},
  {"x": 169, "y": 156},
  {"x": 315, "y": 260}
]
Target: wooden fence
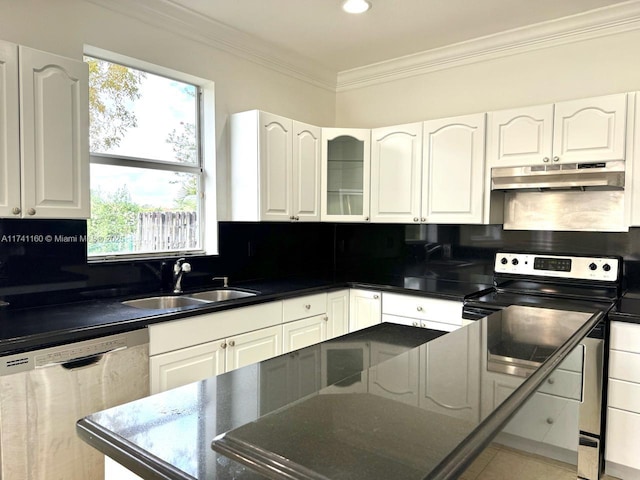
[{"x": 158, "y": 231}]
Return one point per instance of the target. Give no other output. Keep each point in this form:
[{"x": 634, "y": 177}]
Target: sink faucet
[
  {"x": 179, "y": 269},
  {"x": 225, "y": 281}
]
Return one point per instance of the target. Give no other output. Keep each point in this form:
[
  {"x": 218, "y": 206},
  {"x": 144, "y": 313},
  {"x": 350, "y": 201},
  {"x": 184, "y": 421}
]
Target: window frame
[{"x": 204, "y": 169}]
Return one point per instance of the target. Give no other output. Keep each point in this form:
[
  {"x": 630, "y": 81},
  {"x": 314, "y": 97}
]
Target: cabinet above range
[{"x": 44, "y": 134}]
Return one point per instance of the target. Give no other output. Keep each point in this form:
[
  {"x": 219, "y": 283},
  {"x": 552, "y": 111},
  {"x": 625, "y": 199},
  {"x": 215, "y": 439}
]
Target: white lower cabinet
[
  {"x": 364, "y": 309},
  {"x": 623, "y": 412},
  {"x": 434, "y": 313},
  {"x": 338, "y": 313},
  {"x": 253, "y": 347},
  {"x": 305, "y": 332}
]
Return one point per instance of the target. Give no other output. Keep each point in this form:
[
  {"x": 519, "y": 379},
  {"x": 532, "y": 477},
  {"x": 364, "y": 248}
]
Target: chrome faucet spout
[{"x": 179, "y": 269}]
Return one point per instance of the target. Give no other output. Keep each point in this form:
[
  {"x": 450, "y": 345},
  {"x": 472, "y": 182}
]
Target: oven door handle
[{"x": 470, "y": 312}]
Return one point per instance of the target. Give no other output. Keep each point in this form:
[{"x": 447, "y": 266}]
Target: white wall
[
  {"x": 65, "y": 26},
  {"x": 600, "y": 66}
]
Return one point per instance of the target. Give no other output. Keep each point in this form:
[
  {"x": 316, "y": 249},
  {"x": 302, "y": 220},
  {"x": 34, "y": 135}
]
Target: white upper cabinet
[
  {"x": 275, "y": 168},
  {"x": 453, "y": 169},
  {"x": 9, "y": 132},
  {"x": 592, "y": 129},
  {"x": 49, "y": 100},
  {"x": 396, "y": 164},
  {"x": 522, "y": 136},
  {"x": 346, "y": 165},
  {"x": 585, "y": 130}
]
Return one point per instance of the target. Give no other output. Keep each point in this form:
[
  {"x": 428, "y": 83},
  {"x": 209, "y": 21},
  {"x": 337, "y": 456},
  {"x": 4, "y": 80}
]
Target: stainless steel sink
[
  {"x": 165, "y": 302},
  {"x": 221, "y": 294}
]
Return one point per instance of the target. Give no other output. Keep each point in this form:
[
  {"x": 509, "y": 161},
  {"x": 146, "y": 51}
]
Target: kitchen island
[{"x": 315, "y": 413}]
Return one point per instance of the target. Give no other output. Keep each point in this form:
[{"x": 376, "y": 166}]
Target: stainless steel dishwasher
[{"x": 44, "y": 392}]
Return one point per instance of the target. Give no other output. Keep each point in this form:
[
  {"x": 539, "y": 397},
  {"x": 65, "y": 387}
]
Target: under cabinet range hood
[{"x": 563, "y": 176}]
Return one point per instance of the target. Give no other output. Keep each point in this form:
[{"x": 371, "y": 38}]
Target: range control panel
[{"x": 580, "y": 268}]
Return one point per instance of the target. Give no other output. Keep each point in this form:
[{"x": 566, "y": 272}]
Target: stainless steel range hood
[{"x": 563, "y": 176}]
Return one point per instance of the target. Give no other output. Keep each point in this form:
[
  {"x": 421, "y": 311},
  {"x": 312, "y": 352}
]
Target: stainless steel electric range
[{"x": 561, "y": 282}]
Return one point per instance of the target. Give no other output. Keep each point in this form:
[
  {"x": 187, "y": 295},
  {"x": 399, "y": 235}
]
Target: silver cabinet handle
[
  {"x": 366, "y": 219},
  {"x": 326, "y": 319},
  {"x": 545, "y": 159},
  {"x": 415, "y": 324},
  {"x": 292, "y": 217},
  {"x": 423, "y": 219},
  {"x": 375, "y": 297},
  {"x": 551, "y": 381},
  {"x": 556, "y": 159},
  {"x": 16, "y": 210},
  {"x": 307, "y": 306},
  {"x": 31, "y": 211},
  {"x": 223, "y": 345},
  {"x": 550, "y": 421},
  {"x": 419, "y": 308},
  {"x": 416, "y": 219},
  {"x": 232, "y": 343}
]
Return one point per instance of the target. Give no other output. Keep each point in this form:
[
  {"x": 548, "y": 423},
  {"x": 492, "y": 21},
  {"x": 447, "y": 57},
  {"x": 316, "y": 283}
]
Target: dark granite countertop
[
  {"x": 39, "y": 327},
  {"x": 628, "y": 308},
  {"x": 259, "y": 416}
]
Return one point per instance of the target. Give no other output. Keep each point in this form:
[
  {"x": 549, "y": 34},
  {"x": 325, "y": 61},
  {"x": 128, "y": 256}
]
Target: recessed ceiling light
[{"x": 356, "y": 6}]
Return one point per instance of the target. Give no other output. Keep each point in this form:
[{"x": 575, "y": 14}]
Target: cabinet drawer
[
  {"x": 423, "y": 308},
  {"x": 623, "y": 435},
  {"x": 624, "y": 395},
  {"x": 303, "y": 307},
  {"x": 624, "y": 366},
  {"x": 625, "y": 336},
  {"x": 165, "y": 337},
  {"x": 562, "y": 383}
]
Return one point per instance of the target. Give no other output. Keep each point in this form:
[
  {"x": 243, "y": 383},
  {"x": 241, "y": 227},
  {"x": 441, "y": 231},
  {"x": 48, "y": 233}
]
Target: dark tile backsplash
[{"x": 44, "y": 261}]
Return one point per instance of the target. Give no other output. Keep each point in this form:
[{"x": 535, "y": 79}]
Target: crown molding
[
  {"x": 592, "y": 24},
  {"x": 168, "y": 16}
]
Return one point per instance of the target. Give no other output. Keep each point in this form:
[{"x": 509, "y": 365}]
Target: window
[{"x": 147, "y": 177}]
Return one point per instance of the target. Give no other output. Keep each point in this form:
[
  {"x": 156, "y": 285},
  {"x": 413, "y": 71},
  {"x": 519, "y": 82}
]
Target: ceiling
[{"x": 321, "y": 32}]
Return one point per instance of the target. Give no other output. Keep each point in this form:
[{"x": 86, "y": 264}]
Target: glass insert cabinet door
[{"x": 345, "y": 174}]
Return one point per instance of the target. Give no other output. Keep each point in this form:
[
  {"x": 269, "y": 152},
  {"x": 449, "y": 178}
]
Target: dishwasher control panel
[{"x": 59, "y": 355}]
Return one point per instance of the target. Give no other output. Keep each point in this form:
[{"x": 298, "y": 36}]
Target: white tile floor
[{"x": 502, "y": 463}]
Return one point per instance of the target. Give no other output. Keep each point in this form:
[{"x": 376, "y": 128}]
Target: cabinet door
[
  {"x": 590, "y": 130},
  {"x": 305, "y": 188},
  {"x": 275, "y": 167},
  {"x": 396, "y": 159},
  {"x": 303, "y": 333},
  {"x": 253, "y": 347},
  {"x": 623, "y": 436},
  {"x": 398, "y": 380},
  {"x": 364, "y": 309},
  {"x": 346, "y": 165},
  {"x": 453, "y": 170},
  {"x": 453, "y": 391},
  {"x": 521, "y": 136},
  {"x": 338, "y": 313},
  {"x": 54, "y": 123},
  {"x": 187, "y": 365},
  {"x": 9, "y": 131}
]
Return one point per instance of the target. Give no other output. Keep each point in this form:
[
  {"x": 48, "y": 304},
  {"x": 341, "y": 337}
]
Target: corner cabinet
[
  {"x": 365, "y": 309},
  {"x": 275, "y": 168},
  {"x": 453, "y": 170},
  {"x": 396, "y": 166},
  {"x": 346, "y": 166},
  {"x": 584, "y": 130},
  {"x": 44, "y": 135}
]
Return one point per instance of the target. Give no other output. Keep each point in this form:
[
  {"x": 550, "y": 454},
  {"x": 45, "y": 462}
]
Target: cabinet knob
[
  {"x": 297, "y": 219},
  {"x": 551, "y": 381},
  {"x": 366, "y": 219},
  {"x": 326, "y": 319},
  {"x": 556, "y": 159},
  {"x": 545, "y": 159},
  {"x": 419, "y": 308},
  {"x": 31, "y": 211},
  {"x": 16, "y": 210},
  {"x": 292, "y": 217},
  {"x": 307, "y": 306},
  {"x": 416, "y": 324},
  {"x": 550, "y": 421},
  {"x": 423, "y": 219},
  {"x": 223, "y": 345},
  {"x": 416, "y": 219},
  {"x": 375, "y": 297},
  {"x": 232, "y": 343}
]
